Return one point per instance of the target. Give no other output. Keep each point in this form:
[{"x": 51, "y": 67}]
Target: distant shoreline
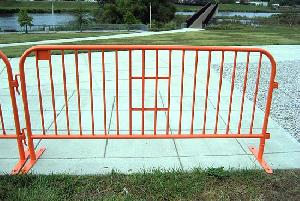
[{"x": 10, "y": 7}]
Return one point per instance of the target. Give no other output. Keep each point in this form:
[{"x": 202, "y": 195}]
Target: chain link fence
[{"x": 98, "y": 27}]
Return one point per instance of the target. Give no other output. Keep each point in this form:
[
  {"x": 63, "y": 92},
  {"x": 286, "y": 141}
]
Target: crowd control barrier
[
  {"x": 145, "y": 92},
  {"x": 9, "y": 112}
]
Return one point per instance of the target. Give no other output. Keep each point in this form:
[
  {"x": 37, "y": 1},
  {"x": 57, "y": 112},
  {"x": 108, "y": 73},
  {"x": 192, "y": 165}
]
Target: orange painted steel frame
[
  {"x": 44, "y": 53},
  {"x": 18, "y": 135}
]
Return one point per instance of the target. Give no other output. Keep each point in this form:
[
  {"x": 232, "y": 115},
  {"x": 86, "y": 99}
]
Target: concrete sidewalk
[
  {"x": 103, "y": 156},
  {"x": 129, "y": 35}
]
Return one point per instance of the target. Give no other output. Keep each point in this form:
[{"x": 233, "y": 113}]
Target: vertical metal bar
[
  {"x": 207, "y": 88},
  {"x": 255, "y": 93},
  {"x": 130, "y": 92},
  {"x": 194, "y": 92},
  {"x": 65, "y": 91},
  {"x": 272, "y": 85},
  {"x": 143, "y": 92},
  {"x": 78, "y": 91},
  {"x": 219, "y": 93},
  {"x": 53, "y": 95},
  {"x": 103, "y": 91},
  {"x": 39, "y": 91},
  {"x": 26, "y": 112},
  {"x": 244, "y": 92},
  {"x": 181, "y": 91},
  {"x": 91, "y": 90},
  {"x": 261, "y": 149},
  {"x": 156, "y": 89},
  {"x": 2, "y": 121},
  {"x": 231, "y": 93},
  {"x": 117, "y": 91},
  {"x": 15, "y": 107},
  {"x": 169, "y": 93}
]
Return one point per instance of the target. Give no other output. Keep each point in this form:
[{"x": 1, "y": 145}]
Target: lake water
[
  {"x": 10, "y": 21},
  {"x": 231, "y": 14}
]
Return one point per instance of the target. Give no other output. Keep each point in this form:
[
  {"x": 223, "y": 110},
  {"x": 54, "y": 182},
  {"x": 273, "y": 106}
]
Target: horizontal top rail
[{"x": 148, "y": 47}]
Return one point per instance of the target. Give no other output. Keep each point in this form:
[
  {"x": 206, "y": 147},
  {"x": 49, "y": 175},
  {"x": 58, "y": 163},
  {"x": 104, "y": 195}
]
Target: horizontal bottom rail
[
  {"x": 146, "y": 136},
  {"x": 7, "y": 136}
]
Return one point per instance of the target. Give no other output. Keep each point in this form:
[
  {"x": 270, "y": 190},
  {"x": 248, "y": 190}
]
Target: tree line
[
  {"x": 134, "y": 11},
  {"x": 117, "y": 12}
]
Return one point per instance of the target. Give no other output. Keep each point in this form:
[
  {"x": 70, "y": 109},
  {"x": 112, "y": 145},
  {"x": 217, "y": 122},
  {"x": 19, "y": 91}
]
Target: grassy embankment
[
  {"x": 232, "y": 36},
  {"x": 21, "y": 37},
  {"x": 211, "y": 184},
  {"x": 46, "y": 6},
  {"x": 234, "y": 8}
]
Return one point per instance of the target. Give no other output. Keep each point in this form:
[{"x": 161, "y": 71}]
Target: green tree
[
  {"x": 24, "y": 19},
  {"x": 163, "y": 11},
  {"x": 129, "y": 18},
  {"x": 111, "y": 14},
  {"x": 291, "y": 18},
  {"x": 102, "y": 2},
  {"x": 81, "y": 17}
]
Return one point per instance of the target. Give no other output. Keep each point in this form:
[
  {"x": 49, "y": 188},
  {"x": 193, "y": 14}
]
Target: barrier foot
[
  {"x": 31, "y": 163},
  {"x": 262, "y": 162},
  {"x": 20, "y": 164}
]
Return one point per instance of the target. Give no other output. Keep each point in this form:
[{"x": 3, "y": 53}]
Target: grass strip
[
  {"x": 31, "y": 37},
  {"x": 245, "y": 35},
  {"x": 210, "y": 184},
  {"x": 235, "y": 8}
]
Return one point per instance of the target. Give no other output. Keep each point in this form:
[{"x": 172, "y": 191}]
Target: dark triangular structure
[{"x": 202, "y": 17}]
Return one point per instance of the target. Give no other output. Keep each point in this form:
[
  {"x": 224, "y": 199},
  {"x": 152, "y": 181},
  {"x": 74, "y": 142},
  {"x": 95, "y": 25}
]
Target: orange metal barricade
[
  {"x": 110, "y": 92},
  {"x": 12, "y": 108}
]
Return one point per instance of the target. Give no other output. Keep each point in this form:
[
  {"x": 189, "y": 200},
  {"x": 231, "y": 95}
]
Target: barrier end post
[{"x": 261, "y": 161}]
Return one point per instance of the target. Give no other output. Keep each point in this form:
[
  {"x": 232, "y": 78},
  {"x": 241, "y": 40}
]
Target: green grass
[
  {"x": 43, "y": 6},
  {"x": 233, "y": 36},
  {"x": 244, "y": 8},
  {"x": 187, "y": 8},
  {"x": 211, "y": 184},
  {"x": 21, "y": 37}
]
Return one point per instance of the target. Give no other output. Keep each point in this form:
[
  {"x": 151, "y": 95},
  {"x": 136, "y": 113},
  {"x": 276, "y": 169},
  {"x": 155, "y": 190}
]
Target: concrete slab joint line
[
  {"x": 162, "y": 101},
  {"x": 101, "y": 156},
  {"x": 110, "y": 119}
]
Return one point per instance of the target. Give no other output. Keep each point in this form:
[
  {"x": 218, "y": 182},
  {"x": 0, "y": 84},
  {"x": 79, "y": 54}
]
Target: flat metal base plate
[
  {"x": 262, "y": 162},
  {"x": 20, "y": 164},
  {"x": 31, "y": 163}
]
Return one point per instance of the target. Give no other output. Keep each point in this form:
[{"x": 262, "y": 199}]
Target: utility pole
[
  {"x": 150, "y": 14},
  {"x": 52, "y": 8}
]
